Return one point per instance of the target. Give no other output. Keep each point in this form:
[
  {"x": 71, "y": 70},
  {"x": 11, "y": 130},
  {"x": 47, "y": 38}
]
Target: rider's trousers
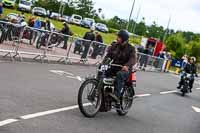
[{"x": 120, "y": 80}]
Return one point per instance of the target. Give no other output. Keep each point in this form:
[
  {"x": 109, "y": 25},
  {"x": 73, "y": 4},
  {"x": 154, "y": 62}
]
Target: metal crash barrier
[
  {"x": 152, "y": 63},
  {"x": 31, "y": 43},
  {"x": 37, "y": 44}
]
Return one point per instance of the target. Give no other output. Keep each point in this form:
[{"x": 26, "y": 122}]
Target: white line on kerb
[
  {"x": 30, "y": 116},
  {"x": 8, "y": 121},
  {"x": 143, "y": 95},
  {"x": 168, "y": 92}
]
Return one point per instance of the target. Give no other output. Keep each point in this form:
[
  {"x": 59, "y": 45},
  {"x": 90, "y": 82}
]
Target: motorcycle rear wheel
[{"x": 126, "y": 101}]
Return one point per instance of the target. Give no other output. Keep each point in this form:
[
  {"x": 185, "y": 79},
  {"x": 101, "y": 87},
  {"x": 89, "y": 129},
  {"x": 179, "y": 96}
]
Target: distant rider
[{"x": 189, "y": 68}]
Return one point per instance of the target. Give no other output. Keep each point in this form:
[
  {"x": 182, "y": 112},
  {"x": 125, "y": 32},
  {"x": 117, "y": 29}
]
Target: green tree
[
  {"x": 176, "y": 45},
  {"x": 155, "y": 31},
  {"x": 141, "y": 28},
  {"x": 85, "y": 8},
  {"x": 52, "y": 5},
  {"x": 117, "y": 23},
  {"x": 195, "y": 49}
]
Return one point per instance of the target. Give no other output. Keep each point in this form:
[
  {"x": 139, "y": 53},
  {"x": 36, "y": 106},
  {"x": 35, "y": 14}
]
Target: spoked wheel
[
  {"x": 89, "y": 98},
  {"x": 126, "y": 101}
]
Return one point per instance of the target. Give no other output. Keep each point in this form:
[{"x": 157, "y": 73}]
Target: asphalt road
[{"x": 27, "y": 90}]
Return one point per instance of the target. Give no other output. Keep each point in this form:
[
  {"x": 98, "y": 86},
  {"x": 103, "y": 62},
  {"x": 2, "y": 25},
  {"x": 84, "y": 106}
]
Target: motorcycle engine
[{"x": 107, "y": 100}]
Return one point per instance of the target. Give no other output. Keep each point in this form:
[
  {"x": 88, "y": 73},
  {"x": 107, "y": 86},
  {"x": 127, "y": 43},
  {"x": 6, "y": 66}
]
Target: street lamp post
[
  {"x": 166, "y": 32},
  {"x": 130, "y": 15},
  {"x": 136, "y": 20}
]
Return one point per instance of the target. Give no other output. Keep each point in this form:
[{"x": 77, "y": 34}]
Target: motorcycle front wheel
[
  {"x": 126, "y": 101},
  {"x": 89, "y": 98}
]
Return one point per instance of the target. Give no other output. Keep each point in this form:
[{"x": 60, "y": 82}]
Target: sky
[{"x": 185, "y": 14}]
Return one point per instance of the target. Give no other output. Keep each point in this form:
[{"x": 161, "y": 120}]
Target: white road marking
[
  {"x": 143, "y": 95},
  {"x": 168, "y": 92},
  {"x": 71, "y": 77},
  {"x": 79, "y": 78},
  {"x": 196, "y": 109},
  {"x": 30, "y": 116},
  {"x": 197, "y": 88},
  {"x": 8, "y": 121},
  {"x": 60, "y": 72}
]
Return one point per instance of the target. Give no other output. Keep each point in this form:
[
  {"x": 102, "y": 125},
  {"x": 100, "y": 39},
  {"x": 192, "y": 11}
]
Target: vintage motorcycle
[
  {"x": 186, "y": 81},
  {"x": 94, "y": 93}
]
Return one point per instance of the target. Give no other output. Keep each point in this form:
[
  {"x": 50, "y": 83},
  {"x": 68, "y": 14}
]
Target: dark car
[
  {"x": 39, "y": 11},
  {"x": 101, "y": 27},
  {"x": 87, "y": 22}
]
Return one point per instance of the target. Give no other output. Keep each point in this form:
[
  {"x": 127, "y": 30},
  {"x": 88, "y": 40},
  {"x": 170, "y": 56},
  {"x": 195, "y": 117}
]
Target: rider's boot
[
  {"x": 190, "y": 89},
  {"x": 179, "y": 87},
  {"x": 117, "y": 100}
]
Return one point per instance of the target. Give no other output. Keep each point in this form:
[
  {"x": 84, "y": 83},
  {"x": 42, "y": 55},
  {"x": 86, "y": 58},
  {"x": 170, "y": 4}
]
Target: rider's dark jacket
[
  {"x": 122, "y": 55},
  {"x": 190, "y": 68}
]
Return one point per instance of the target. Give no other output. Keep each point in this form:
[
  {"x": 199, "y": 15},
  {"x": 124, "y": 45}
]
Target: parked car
[
  {"x": 87, "y": 22},
  {"x": 76, "y": 19},
  {"x": 65, "y": 18},
  {"x": 11, "y": 16},
  {"x": 55, "y": 15},
  {"x": 39, "y": 11},
  {"x": 9, "y": 3},
  {"x": 101, "y": 27},
  {"x": 25, "y": 5}
]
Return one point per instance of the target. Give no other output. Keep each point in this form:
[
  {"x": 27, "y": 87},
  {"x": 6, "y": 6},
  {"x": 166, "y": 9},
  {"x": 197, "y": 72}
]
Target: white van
[
  {"x": 25, "y": 5},
  {"x": 76, "y": 19}
]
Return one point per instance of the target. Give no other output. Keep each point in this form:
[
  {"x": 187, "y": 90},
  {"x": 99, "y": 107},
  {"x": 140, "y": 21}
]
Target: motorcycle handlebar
[{"x": 116, "y": 65}]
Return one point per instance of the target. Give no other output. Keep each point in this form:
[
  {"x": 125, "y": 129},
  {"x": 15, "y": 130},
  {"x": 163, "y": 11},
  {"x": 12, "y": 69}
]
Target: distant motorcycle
[
  {"x": 94, "y": 93},
  {"x": 186, "y": 81}
]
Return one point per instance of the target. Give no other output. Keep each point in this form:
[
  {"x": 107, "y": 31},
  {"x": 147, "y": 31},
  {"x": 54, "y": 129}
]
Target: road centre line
[
  {"x": 8, "y": 121},
  {"x": 35, "y": 115},
  {"x": 60, "y": 72},
  {"x": 168, "y": 92},
  {"x": 143, "y": 95}
]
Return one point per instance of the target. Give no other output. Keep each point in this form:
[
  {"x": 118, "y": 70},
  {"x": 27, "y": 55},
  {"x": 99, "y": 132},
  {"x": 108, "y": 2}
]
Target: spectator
[
  {"x": 66, "y": 31},
  {"x": 37, "y": 25},
  {"x": 1, "y": 8},
  {"x": 31, "y": 21},
  {"x": 47, "y": 25},
  {"x": 140, "y": 49},
  {"x": 98, "y": 37},
  {"x": 184, "y": 60},
  {"x": 98, "y": 46},
  {"x": 90, "y": 37},
  {"x": 145, "y": 57},
  {"x": 20, "y": 18},
  {"x": 23, "y": 23}
]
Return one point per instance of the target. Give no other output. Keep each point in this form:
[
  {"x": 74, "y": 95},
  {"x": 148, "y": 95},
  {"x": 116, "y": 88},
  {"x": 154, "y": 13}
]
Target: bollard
[{"x": 177, "y": 71}]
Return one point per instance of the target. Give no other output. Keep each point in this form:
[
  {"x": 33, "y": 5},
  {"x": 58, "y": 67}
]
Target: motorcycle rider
[
  {"x": 190, "y": 68},
  {"x": 122, "y": 53}
]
